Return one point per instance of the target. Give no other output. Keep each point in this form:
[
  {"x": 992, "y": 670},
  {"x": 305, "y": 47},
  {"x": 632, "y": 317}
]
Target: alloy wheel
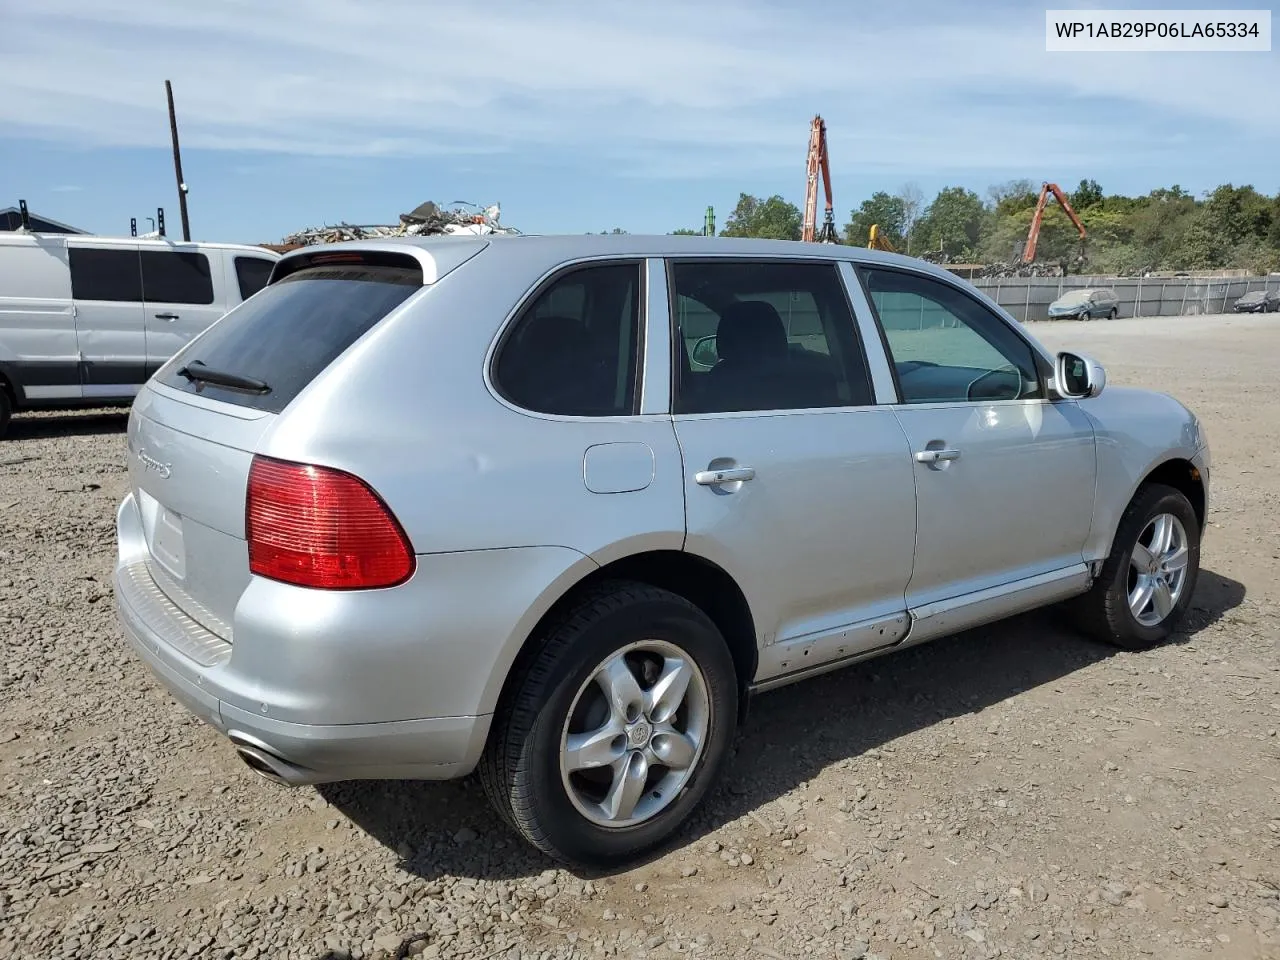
[
  {"x": 1158, "y": 570},
  {"x": 634, "y": 734}
]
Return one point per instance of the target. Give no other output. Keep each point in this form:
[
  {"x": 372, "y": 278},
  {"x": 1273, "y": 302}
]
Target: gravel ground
[{"x": 1017, "y": 791}]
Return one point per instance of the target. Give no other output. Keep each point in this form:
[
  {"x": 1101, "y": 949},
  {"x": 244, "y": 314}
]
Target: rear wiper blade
[{"x": 196, "y": 370}]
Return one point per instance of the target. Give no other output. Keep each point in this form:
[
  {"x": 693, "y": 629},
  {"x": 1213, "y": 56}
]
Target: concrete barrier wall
[{"x": 1028, "y": 298}]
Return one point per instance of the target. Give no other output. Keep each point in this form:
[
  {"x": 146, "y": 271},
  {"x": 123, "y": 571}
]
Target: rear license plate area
[{"x": 167, "y": 547}]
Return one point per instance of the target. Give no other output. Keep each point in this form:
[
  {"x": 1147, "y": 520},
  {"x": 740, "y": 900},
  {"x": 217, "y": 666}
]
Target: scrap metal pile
[
  {"x": 1014, "y": 268},
  {"x": 427, "y": 219}
]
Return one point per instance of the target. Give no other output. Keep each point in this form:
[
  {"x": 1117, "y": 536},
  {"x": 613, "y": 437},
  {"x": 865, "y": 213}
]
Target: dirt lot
[{"x": 1014, "y": 792}]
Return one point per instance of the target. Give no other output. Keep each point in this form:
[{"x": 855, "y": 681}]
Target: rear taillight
[{"x": 320, "y": 527}]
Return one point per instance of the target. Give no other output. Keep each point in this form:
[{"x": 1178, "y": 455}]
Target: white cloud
[{"x": 678, "y": 90}]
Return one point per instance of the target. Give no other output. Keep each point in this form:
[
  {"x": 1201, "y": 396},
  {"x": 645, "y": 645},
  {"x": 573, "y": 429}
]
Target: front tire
[
  {"x": 616, "y": 726},
  {"x": 6, "y": 409},
  {"x": 1085, "y": 316},
  {"x": 1145, "y": 586}
]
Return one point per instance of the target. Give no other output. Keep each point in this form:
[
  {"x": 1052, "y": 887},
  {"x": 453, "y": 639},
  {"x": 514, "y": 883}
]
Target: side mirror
[
  {"x": 704, "y": 352},
  {"x": 1078, "y": 377}
]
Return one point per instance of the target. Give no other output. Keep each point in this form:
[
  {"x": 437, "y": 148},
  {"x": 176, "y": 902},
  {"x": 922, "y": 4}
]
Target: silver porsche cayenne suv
[{"x": 553, "y": 509}]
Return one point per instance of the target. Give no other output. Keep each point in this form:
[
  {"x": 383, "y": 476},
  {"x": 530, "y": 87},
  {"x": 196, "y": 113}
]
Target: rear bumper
[
  {"x": 322, "y": 686},
  {"x": 439, "y": 748}
]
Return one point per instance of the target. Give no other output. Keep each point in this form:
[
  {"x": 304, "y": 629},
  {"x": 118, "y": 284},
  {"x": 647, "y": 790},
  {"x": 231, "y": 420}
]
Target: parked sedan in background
[
  {"x": 1259, "y": 301},
  {"x": 1086, "y": 304}
]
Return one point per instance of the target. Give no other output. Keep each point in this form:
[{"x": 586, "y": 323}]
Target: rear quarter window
[
  {"x": 252, "y": 274},
  {"x": 291, "y": 331}
]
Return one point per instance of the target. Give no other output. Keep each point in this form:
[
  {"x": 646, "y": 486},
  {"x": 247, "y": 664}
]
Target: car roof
[{"x": 439, "y": 254}]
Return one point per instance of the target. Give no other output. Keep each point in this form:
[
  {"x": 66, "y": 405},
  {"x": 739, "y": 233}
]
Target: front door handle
[
  {"x": 167, "y": 316},
  {"x": 937, "y": 456},
  {"x": 709, "y": 478}
]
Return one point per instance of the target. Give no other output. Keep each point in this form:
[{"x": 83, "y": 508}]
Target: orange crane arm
[
  {"x": 1037, "y": 218},
  {"x": 817, "y": 136},
  {"x": 818, "y": 165},
  {"x": 1065, "y": 204}
]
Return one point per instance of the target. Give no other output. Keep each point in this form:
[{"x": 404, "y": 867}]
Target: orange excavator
[
  {"x": 818, "y": 164},
  {"x": 1033, "y": 235}
]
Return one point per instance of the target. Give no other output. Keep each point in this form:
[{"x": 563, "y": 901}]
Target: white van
[{"x": 85, "y": 320}]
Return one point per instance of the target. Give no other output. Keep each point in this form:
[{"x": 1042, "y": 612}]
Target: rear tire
[
  {"x": 6, "y": 409},
  {"x": 1113, "y": 314},
  {"x": 1146, "y": 583},
  {"x": 596, "y": 675}
]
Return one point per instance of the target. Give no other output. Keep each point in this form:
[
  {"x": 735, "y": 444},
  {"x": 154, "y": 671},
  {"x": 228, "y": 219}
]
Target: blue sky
[{"x": 581, "y": 116}]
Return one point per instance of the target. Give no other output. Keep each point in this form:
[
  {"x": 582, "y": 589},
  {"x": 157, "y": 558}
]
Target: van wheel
[
  {"x": 616, "y": 726},
  {"x": 6, "y": 409},
  {"x": 1146, "y": 583}
]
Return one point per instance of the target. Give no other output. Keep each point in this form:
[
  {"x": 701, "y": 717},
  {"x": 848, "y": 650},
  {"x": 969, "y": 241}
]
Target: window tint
[
  {"x": 104, "y": 274},
  {"x": 173, "y": 277},
  {"x": 575, "y": 349},
  {"x": 945, "y": 345},
  {"x": 252, "y": 274},
  {"x": 764, "y": 336},
  {"x": 286, "y": 336}
]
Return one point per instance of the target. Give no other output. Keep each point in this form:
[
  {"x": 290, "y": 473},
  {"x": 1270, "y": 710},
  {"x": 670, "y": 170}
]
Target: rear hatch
[{"x": 195, "y": 427}]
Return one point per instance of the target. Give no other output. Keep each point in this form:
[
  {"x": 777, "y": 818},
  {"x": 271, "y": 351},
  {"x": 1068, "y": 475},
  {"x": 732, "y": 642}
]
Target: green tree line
[{"x": 1166, "y": 229}]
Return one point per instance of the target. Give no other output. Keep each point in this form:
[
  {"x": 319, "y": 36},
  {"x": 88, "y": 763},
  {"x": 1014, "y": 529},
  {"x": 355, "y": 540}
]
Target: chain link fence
[{"x": 1027, "y": 299}]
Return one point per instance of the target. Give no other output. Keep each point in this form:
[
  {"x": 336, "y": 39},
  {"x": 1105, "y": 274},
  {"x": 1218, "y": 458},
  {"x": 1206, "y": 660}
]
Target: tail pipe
[{"x": 269, "y": 766}]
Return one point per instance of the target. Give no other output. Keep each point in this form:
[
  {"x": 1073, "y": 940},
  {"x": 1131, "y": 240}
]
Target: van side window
[
  {"x": 99, "y": 273},
  {"x": 174, "y": 277},
  {"x": 252, "y": 274},
  {"x": 574, "y": 351}
]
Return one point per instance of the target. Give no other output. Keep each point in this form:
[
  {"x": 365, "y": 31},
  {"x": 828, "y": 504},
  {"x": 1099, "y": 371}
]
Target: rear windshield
[{"x": 287, "y": 334}]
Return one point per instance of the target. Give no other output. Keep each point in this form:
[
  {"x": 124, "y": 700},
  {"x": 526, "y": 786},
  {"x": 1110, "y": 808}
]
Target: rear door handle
[
  {"x": 167, "y": 316},
  {"x": 936, "y": 456},
  {"x": 712, "y": 477}
]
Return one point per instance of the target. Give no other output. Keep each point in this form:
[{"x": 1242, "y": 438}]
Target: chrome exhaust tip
[
  {"x": 258, "y": 762},
  {"x": 258, "y": 758}
]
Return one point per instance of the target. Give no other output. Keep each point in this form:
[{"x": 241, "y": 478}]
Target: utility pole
[{"x": 177, "y": 163}]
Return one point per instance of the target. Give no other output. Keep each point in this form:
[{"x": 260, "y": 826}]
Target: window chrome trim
[
  {"x": 883, "y": 383},
  {"x": 655, "y": 375}
]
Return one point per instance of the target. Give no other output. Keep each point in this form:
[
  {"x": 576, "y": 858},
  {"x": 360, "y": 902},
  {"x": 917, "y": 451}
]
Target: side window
[
  {"x": 575, "y": 350},
  {"x": 173, "y": 277},
  {"x": 764, "y": 335},
  {"x": 945, "y": 345},
  {"x": 252, "y": 274},
  {"x": 99, "y": 273}
]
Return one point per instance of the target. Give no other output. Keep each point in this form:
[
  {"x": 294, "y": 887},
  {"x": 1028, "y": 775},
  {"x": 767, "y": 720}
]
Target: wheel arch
[
  {"x": 1185, "y": 477},
  {"x": 11, "y": 385},
  {"x": 700, "y": 581},
  {"x": 1176, "y": 471}
]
